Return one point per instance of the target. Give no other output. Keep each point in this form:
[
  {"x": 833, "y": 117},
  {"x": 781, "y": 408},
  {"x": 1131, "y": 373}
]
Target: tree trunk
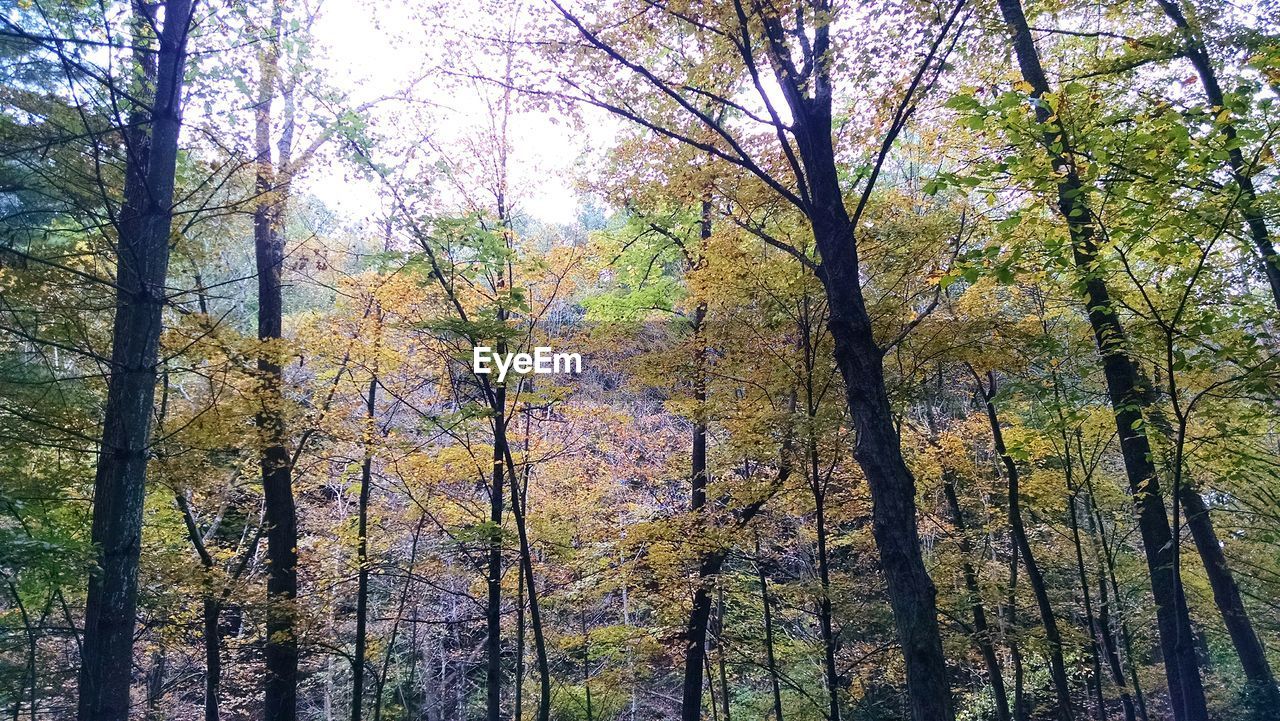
[
  {"x": 982, "y": 631},
  {"x": 700, "y": 614},
  {"x": 362, "y": 555},
  {"x": 770, "y": 659},
  {"x": 519, "y": 497},
  {"x": 1127, "y": 398},
  {"x": 120, "y": 481},
  {"x": 1107, "y": 579},
  {"x": 1082, "y": 574},
  {"x": 212, "y": 658},
  {"x": 1198, "y": 54},
  {"x": 1057, "y": 667},
  {"x": 724, "y": 677},
  {"x": 280, "y": 515},
  {"x": 1226, "y": 594},
  {"x": 493, "y": 608},
  {"x": 878, "y": 449},
  {"x": 817, "y": 484}
]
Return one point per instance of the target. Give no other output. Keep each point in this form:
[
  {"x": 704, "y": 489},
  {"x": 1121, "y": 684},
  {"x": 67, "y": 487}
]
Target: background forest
[{"x": 930, "y": 366}]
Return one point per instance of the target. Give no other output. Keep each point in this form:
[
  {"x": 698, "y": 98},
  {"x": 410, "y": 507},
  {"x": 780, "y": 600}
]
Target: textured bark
[
  {"x": 700, "y": 613},
  {"x": 362, "y": 556},
  {"x": 982, "y": 634},
  {"x": 212, "y": 658},
  {"x": 1039, "y": 589},
  {"x": 1186, "y": 689},
  {"x": 493, "y": 606},
  {"x": 878, "y": 449},
  {"x": 1226, "y": 594},
  {"x": 120, "y": 481},
  {"x": 279, "y": 513},
  {"x": 771, "y": 660}
]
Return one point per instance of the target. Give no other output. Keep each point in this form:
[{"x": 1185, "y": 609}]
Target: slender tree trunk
[
  {"x": 362, "y": 554},
  {"x": 1057, "y": 667},
  {"x": 1090, "y": 618},
  {"x": 1107, "y": 579},
  {"x": 724, "y": 678},
  {"x": 1020, "y": 710},
  {"x": 1195, "y": 51},
  {"x": 982, "y": 631},
  {"x": 770, "y": 659},
  {"x": 212, "y": 658},
  {"x": 518, "y": 506},
  {"x": 1127, "y": 397},
  {"x": 119, "y": 487},
  {"x": 824, "y": 580},
  {"x": 280, "y": 514},
  {"x": 699, "y": 615},
  {"x": 493, "y": 608},
  {"x": 520, "y": 638}
]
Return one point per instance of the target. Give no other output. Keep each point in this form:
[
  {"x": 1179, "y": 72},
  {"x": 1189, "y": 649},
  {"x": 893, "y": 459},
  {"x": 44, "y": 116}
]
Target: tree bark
[
  {"x": 362, "y": 555},
  {"x": 1126, "y": 395},
  {"x": 1226, "y": 594},
  {"x": 700, "y": 613},
  {"x": 120, "y": 480},
  {"x": 878, "y": 449},
  {"x": 982, "y": 630},
  {"x": 279, "y": 512},
  {"x": 493, "y": 607},
  {"x": 770, "y": 658},
  {"x": 1057, "y": 667}
]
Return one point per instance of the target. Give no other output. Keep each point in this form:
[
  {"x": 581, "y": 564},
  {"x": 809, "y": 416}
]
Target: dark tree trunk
[
  {"x": 700, "y": 614},
  {"x": 982, "y": 630},
  {"x": 1057, "y": 667},
  {"x": 1082, "y": 574},
  {"x": 212, "y": 658},
  {"x": 493, "y": 608},
  {"x": 817, "y": 487},
  {"x": 720, "y": 660},
  {"x": 1127, "y": 398},
  {"x": 1197, "y": 53},
  {"x": 1107, "y": 580},
  {"x": 1226, "y": 594},
  {"x": 120, "y": 482},
  {"x": 279, "y": 513},
  {"x": 696, "y": 638},
  {"x": 878, "y": 450},
  {"x": 519, "y": 498},
  {"x": 1020, "y": 710},
  {"x": 771, "y": 660},
  {"x": 362, "y": 556}
]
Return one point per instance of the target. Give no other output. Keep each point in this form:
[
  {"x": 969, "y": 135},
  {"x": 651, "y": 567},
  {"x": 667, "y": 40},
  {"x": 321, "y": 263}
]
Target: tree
[{"x": 142, "y": 261}]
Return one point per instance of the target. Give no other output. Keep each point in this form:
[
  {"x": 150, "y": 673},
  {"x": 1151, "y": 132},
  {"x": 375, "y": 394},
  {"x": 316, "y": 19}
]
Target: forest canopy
[{"x": 623, "y": 360}]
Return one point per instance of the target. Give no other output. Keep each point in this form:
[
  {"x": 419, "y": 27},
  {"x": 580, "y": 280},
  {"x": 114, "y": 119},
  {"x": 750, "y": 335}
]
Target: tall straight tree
[
  {"x": 1124, "y": 388},
  {"x": 279, "y": 514},
  {"x": 797, "y": 49},
  {"x": 142, "y": 262}
]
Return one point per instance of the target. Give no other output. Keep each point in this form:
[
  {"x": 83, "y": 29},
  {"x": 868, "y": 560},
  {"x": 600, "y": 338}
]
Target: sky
[{"x": 377, "y": 49}]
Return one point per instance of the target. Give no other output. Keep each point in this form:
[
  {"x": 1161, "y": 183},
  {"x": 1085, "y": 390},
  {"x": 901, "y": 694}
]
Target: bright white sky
[{"x": 375, "y": 49}]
